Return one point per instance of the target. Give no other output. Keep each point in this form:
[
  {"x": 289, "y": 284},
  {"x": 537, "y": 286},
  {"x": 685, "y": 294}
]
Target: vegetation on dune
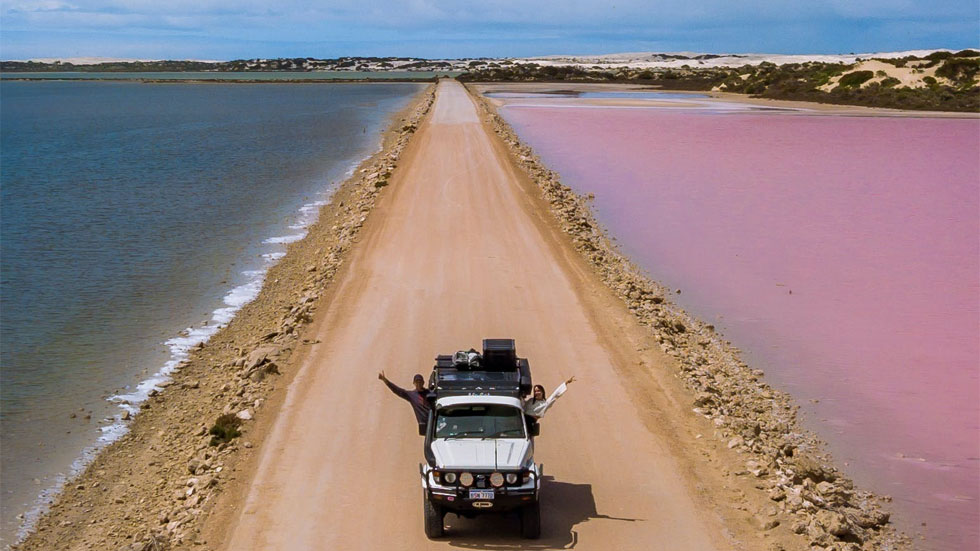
[
  {"x": 804, "y": 81},
  {"x": 855, "y": 79},
  {"x": 956, "y": 89},
  {"x": 960, "y": 70},
  {"x": 683, "y": 78}
]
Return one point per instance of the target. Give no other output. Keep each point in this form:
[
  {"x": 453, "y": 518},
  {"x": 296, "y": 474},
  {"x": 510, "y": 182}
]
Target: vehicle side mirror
[
  {"x": 534, "y": 429},
  {"x": 422, "y": 427}
]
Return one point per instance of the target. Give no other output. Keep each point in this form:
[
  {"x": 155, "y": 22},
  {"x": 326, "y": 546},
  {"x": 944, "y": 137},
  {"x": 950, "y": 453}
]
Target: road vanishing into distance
[{"x": 459, "y": 248}]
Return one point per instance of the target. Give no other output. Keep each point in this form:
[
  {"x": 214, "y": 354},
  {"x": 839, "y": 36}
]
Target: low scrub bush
[
  {"x": 225, "y": 428},
  {"x": 959, "y": 69},
  {"x": 855, "y": 79}
]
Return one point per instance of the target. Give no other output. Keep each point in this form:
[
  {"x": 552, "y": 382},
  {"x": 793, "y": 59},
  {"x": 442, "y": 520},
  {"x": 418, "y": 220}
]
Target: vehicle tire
[
  {"x": 531, "y": 521},
  {"x": 433, "y": 518}
]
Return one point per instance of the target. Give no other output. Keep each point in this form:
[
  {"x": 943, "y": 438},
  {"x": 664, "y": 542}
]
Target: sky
[{"x": 242, "y": 29}]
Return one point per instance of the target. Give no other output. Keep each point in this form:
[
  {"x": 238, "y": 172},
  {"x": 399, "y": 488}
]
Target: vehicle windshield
[{"x": 479, "y": 421}]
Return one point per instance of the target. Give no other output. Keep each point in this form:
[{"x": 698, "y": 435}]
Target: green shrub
[
  {"x": 929, "y": 80},
  {"x": 898, "y": 62},
  {"x": 959, "y": 69},
  {"x": 855, "y": 79},
  {"x": 225, "y": 428},
  {"x": 936, "y": 58},
  {"x": 889, "y": 82},
  {"x": 967, "y": 53}
]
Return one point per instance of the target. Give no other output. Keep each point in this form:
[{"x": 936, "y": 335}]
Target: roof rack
[{"x": 498, "y": 372}]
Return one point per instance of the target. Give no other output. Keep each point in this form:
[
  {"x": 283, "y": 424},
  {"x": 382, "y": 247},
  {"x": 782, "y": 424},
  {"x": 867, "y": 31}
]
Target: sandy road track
[{"x": 458, "y": 251}]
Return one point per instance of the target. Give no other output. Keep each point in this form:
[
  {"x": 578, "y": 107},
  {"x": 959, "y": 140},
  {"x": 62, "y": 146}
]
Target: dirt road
[{"x": 459, "y": 250}]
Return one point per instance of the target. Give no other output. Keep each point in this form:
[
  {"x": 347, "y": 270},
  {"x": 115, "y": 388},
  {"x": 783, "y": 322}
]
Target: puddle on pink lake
[{"x": 842, "y": 254}]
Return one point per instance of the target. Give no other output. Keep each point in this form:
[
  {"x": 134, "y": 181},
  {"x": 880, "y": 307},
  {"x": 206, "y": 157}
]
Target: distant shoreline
[
  {"x": 226, "y": 76},
  {"x": 788, "y": 107},
  {"x": 224, "y": 80}
]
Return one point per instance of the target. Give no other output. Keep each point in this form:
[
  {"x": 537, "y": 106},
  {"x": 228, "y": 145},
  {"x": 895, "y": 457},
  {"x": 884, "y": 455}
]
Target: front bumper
[
  {"x": 504, "y": 499},
  {"x": 457, "y": 498}
]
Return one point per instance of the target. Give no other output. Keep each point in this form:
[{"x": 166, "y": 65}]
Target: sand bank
[{"x": 714, "y": 98}]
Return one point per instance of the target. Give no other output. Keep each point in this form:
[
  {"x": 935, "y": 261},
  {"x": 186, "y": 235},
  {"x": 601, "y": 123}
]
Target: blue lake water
[{"x": 134, "y": 220}]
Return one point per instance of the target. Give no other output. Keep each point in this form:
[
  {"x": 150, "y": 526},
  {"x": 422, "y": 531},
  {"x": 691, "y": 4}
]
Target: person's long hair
[{"x": 536, "y": 387}]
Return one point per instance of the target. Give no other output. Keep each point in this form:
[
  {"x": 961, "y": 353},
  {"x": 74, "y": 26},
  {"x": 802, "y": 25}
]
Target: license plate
[{"x": 481, "y": 494}]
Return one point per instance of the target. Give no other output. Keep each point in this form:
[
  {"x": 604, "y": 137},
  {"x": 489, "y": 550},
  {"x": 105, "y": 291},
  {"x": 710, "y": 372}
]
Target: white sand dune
[{"x": 641, "y": 60}]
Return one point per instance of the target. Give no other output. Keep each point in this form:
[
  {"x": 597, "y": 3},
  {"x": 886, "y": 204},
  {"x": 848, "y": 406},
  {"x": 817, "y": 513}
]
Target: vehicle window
[
  {"x": 479, "y": 421},
  {"x": 480, "y": 376}
]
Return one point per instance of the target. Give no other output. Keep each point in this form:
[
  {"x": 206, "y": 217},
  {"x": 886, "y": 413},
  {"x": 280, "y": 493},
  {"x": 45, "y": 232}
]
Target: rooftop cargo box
[
  {"x": 499, "y": 354},
  {"x": 500, "y": 373}
]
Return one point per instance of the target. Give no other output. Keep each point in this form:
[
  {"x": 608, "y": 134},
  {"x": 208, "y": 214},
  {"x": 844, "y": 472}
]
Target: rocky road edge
[
  {"x": 151, "y": 489},
  {"x": 818, "y": 502}
]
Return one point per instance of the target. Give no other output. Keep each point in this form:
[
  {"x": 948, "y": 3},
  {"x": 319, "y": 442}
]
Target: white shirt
[{"x": 537, "y": 408}]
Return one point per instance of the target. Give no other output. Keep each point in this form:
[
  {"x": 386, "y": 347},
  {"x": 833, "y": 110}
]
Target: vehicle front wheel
[
  {"x": 433, "y": 518},
  {"x": 531, "y": 521}
]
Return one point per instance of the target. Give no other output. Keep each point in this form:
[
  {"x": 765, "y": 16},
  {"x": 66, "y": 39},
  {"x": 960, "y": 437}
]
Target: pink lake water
[{"x": 841, "y": 254}]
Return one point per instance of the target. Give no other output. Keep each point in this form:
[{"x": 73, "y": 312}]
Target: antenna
[{"x": 496, "y": 466}]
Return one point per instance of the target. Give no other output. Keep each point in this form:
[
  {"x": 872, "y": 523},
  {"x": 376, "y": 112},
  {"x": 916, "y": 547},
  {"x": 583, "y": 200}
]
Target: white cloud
[
  {"x": 408, "y": 13},
  {"x": 610, "y": 23},
  {"x": 40, "y": 6}
]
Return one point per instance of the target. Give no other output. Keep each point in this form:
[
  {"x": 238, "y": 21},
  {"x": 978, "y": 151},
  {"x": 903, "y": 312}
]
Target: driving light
[
  {"x": 497, "y": 480},
  {"x": 466, "y": 479},
  {"x": 511, "y": 478},
  {"x": 450, "y": 478}
]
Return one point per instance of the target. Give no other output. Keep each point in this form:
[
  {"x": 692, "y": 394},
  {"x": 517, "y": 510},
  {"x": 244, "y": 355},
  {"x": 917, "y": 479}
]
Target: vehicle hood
[{"x": 472, "y": 453}]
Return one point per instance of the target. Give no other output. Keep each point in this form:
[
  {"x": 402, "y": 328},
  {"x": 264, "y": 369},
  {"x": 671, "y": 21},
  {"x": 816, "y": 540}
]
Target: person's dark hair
[
  {"x": 536, "y": 387},
  {"x": 418, "y": 377}
]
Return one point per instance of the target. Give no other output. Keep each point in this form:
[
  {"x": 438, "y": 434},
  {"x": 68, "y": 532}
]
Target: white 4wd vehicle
[{"x": 479, "y": 449}]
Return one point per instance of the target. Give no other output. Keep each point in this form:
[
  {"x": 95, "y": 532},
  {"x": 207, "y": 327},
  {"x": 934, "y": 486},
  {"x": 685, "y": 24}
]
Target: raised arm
[
  {"x": 538, "y": 409},
  {"x": 560, "y": 390},
  {"x": 397, "y": 390}
]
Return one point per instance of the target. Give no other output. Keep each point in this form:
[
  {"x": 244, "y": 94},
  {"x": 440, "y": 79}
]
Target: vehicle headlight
[
  {"x": 527, "y": 476},
  {"x": 497, "y": 480},
  {"x": 450, "y": 478},
  {"x": 511, "y": 478},
  {"x": 466, "y": 479}
]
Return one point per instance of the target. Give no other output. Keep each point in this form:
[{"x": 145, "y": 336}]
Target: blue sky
[{"x": 230, "y": 29}]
